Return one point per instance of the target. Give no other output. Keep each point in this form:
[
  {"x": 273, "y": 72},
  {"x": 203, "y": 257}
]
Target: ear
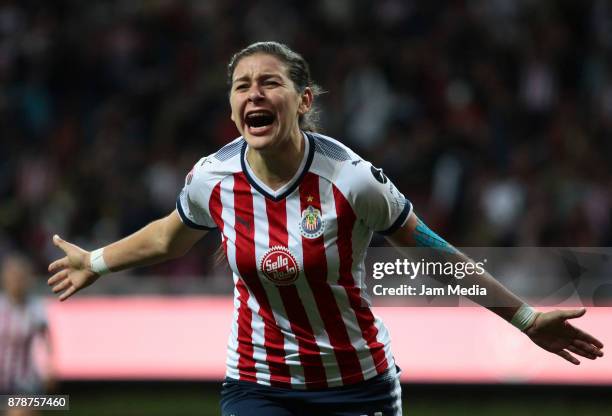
[{"x": 306, "y": 100}]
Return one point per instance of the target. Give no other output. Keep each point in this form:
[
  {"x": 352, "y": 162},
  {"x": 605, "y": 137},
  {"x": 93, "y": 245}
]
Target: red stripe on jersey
[
  {"x": 310, "y": 355},
  {"x": 315, "y": 268},
  {"x": 246, "y": 364},
  {"x": 247, "y": 266},
  {"x": 346, "y": 220},
  {"x": 215, "y": 207}
]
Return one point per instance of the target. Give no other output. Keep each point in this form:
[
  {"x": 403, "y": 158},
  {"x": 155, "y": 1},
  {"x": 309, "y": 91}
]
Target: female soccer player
[
  {"x": 23, "y": 323},
  {"x": 296, "y": 211}
]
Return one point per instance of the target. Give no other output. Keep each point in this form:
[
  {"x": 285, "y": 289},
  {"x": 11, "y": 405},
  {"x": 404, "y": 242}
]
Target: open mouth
[{"x": 259, "y": 118}]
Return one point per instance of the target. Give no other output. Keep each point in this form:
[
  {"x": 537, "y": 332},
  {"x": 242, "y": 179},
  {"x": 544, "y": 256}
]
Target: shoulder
[
  {"x": 331, "y": 149},
  {"x": 370, "y": 193},
  {"x": 331, "y": 157},
  {"x": 347, "y": 170},
  {"x": 230, "y": 151},
  {"x": 216, "y": 166}
]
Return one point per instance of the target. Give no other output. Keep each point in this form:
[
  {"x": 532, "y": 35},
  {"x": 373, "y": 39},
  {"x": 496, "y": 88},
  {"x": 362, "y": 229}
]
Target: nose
[{"x": 255, "y": 93}]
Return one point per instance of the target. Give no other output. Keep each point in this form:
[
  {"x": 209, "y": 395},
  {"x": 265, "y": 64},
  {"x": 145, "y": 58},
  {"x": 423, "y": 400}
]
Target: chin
[
  {"x": 267, "y": 140},
  {"x": 259, "y": 142}
]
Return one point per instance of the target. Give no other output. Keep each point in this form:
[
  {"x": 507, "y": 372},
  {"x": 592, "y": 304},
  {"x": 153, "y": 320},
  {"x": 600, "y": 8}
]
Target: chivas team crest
[
  {"x": 279, "y": 265},
  {"x": 312, "y": 224}
]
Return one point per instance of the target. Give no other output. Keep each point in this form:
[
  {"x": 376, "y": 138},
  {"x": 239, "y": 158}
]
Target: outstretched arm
[
  {"x": 161, "y": 240},
  {"x": 549, "y": 330}
]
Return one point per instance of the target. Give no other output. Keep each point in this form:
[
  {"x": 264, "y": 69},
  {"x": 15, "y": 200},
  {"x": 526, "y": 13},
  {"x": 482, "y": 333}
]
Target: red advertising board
[{"x": 185, "y": 338}]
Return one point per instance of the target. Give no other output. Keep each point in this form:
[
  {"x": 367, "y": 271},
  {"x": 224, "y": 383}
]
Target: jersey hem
[{"x": 351, "y": 380}]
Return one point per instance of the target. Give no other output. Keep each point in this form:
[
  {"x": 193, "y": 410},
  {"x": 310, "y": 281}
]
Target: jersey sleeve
[
  {"x": 376, "y": 200},
  {"x": 192, "y": 203}
]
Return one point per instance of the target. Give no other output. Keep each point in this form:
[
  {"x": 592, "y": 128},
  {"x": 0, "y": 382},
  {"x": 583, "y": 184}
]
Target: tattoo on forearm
[{"x": 425, "y": 237}]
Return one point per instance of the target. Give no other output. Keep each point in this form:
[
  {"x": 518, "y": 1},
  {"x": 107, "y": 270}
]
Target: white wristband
[
  {"x": 524, "y": 317},
  {"x": 97, "y": 263}
]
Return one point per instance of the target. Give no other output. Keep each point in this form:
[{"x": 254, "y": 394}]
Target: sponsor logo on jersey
[
  {"x": 312, "y": 223},
  {"x": 378, "y": 175},
  {"x": 279, "y": 266}
]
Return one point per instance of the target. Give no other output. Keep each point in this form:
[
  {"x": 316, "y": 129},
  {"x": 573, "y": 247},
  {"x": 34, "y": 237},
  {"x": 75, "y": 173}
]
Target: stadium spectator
[{"x": 23, "y": 328}]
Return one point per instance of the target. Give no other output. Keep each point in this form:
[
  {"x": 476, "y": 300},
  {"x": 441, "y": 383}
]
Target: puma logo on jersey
[
  {"x": 189, "y": 176},
  {"x": 378, "y": 175},
  {"x": 243, "y": 221}
]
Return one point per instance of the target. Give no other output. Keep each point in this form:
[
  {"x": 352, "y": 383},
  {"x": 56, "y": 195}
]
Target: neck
[{"x": 275, "y": 167}]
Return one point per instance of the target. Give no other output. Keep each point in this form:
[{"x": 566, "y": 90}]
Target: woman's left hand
[{"x": 553, "y": 332}]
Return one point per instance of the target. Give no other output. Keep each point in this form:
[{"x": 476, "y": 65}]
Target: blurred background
[{"x": 494, "y": 117}]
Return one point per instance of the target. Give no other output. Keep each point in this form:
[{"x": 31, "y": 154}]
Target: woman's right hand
[{"x": 72, "y": 272}]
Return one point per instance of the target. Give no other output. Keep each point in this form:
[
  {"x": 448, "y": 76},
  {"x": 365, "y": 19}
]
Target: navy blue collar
[{"x": 254, "y": 184}]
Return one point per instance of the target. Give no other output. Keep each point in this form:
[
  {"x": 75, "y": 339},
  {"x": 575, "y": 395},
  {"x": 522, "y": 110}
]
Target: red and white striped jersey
[
  {"x": 19, "y": 326},
  {"x": 301, "y": 316}
]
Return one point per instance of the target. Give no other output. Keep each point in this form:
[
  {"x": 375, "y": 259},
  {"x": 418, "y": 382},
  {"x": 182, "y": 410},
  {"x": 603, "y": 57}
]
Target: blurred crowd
[{"x": 493, "y": 116}]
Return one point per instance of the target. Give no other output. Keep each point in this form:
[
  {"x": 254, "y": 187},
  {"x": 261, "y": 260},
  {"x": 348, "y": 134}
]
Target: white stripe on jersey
[
  {"x": 328, "y": 206},
  {"x": 259, "y": 330},
  {"x": 384, "y": 338},
  {"x": 231, "y": 361},
  {"x": 258, "y": 341}
]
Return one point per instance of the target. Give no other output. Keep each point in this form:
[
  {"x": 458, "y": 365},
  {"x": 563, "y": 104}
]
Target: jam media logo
[
  {"x": 312, "y": 224},
  {"x": 279, "y": 265}
]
